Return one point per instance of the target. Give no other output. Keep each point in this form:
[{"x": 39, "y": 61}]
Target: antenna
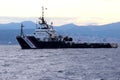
[
  {"x": 43, "y": 11},
  {"x": 42, "y": 18}
]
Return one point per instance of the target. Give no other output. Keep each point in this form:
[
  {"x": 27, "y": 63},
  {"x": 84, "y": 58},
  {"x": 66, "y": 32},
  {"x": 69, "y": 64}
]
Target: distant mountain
[
  {"x": 92, "y": 33},
  {"x": 9, "y": 26},
  {"x": 27, "y": 24},
  {"x": 8, "y": 32},
  {"x": 109, "y": 32}
]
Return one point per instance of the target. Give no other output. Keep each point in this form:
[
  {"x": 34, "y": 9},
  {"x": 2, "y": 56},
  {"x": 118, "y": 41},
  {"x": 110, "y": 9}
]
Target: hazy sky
[{"x": 76, "y": 11}]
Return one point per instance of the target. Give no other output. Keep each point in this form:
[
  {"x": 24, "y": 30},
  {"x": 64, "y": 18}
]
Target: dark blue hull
[{"x": 30, "y": 42}]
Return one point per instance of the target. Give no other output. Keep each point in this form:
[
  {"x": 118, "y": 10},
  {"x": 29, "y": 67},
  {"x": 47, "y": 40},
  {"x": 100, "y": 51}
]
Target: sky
[{"x": 82, "y": 12}]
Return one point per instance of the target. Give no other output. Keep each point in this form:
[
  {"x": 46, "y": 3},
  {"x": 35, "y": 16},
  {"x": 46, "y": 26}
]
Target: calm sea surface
[{"x": 59, "y": 64}]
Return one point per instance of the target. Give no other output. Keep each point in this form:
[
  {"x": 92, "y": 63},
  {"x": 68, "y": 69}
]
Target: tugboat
[{"x": 45, "y": 37}]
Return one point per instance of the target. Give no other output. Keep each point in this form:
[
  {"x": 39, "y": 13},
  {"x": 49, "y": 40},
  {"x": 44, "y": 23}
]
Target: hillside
[{"x": 90, "y": 33}]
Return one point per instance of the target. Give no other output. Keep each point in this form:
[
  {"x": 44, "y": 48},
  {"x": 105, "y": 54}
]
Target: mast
[
  {"x": 42, "y": 12},
  {"x": 43, "y": 21},
  {"x": 21, "y": 32}
]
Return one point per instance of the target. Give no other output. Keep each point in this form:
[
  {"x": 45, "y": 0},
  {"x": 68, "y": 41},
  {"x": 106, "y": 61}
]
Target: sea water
[{"x": 59, "y": 64}]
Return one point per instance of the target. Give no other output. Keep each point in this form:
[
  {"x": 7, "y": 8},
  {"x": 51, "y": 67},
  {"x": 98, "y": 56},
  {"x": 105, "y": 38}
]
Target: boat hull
[{"x": 30, "y": 42}]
